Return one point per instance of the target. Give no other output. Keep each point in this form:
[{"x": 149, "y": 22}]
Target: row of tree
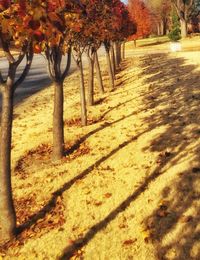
[{"x": 58, "y": 28}]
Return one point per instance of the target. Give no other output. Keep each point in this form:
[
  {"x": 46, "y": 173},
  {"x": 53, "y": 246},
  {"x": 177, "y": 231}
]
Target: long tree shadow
[
  {"x": 52, "y": 202},
  {"x": 154, "y": 43},
  {"x": 178, "y": 218},
  {"x": 178, "y": 109},
  {"x": 174, "y": 225},
  {"x": 79, "y": 243},
  {"x": 178, "y": 103}
]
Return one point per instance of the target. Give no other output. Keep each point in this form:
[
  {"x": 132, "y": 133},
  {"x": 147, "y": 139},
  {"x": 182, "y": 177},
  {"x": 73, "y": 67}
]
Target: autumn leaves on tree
[
  {"x": 140, "y": 14},
  {"x": 57, "y": 28}
]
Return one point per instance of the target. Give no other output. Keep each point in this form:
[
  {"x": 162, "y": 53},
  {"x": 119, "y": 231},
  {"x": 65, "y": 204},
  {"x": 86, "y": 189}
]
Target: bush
[{"x": 175, "y": 33}]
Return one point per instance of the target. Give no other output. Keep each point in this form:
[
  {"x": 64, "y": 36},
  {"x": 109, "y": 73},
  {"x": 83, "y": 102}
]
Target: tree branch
[
  {"x": 29, "y": 58},
  {"x": 64, "y": 75},
  {"x": 59, "y": 61},
  {"x": 1, "y": 88},
  {"x": 2, "y": 80},
  {"x": 49, "y": 58},
  {"x": 22, "y": 54},
  {"x": 6, "y": 49},
  {"x": 55, "y": 62}
]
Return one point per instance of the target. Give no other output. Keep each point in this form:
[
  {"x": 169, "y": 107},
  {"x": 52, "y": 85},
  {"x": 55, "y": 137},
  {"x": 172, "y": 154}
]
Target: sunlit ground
[{"x": 129, "y": 185}]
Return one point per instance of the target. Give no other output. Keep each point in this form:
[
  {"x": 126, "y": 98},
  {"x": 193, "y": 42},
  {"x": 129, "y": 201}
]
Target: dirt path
[{"x": 129, "y": 185}]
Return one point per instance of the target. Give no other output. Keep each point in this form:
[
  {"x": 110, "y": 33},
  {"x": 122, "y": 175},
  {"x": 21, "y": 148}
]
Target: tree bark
[
  {"x": 58, "y": 125},
  {"x": 98, "y": 72},
  {"x": 91, "y": 80},
  {"x": 82, "y": 95},
  {"x": 164, "y": 21},
  {"x": 158, "y": 29},
  {"x": 123, "y": 50},
  {"x": 110, "y": 72},
  {"x": 183, "y": 28},
  {"x": 113, "y": 64},
  {"x": 8, "y": 87},
  {"x": 118, "y": 53},
  {"x": 115, "y": 52},
  {"x": 7, "y": 211},
  {"x": 161, "y": 28}
]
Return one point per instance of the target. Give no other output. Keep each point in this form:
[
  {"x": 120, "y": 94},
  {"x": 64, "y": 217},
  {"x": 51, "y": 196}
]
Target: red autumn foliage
[{"x": 140, "y": 14}]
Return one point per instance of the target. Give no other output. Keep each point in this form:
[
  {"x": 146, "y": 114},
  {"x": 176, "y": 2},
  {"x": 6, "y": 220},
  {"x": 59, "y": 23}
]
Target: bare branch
[
  {"x": 29, "y": 58},
  {"x": 55, "y": 62},
  {"x": 2, "y": 81},
  {"x": 6, "y": 49},
  {"x": 59, "y": 61},
  {"x": 1, "y": 87},
  {"x": 49, "y": 58},
  {"x": 22, "y": 54},
  {"x": 64, "y": 75}
]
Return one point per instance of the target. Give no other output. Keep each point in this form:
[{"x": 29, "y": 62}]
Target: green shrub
[{"x": 175, "y": 33}]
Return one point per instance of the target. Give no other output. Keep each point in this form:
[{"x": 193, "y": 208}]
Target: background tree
[
  {"x": 141, "y": 15},
  {"x": 126, "y": 27},
  {"x": 160, "y": 11},
  {"x": 184, "y": 8},
  {"x": 175, "y": 33}
]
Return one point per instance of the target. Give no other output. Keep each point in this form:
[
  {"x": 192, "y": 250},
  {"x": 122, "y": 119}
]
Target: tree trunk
[
  {"x": 58, "y": 125},
  {"x": 165, "y": 26},
  {"x": 118, "y": 53},
  {"x": 7, "y": 211},
  {"x": 91, "y": 80},
  {"x": 82, "y": 95},
  {"x": 113, "y": 64},
  {"x": 98, "y": 72},
  {"x": 161, "y": 28},
  {"x": 115, "y": 52},
  {"x": 158, "y": 29},
  {"x": 135, "y": 43},
  {"x": 123, "y": 50},
  {"x": 183, "y": 28},
  {"x": 110, "y": 72}
]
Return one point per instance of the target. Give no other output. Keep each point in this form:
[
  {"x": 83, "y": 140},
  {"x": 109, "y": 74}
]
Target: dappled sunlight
[
  {"x": 174, "y": 225},
  {"x": 128, "y": 184}
]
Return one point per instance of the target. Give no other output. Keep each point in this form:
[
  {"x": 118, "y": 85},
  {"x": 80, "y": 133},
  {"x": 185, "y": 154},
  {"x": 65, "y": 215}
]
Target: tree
[
  {"x": 32, "y": 26},
  {"x": 53, "y": 24},
  {"x": 175, "y": 33},
  {"x": 140, "y": 14},
  {"x": 13, "y": 27},
  {"x": 160, "y": 11},
  {"x": 184, "y": 9},
  {"x": 55, "y": 44}
]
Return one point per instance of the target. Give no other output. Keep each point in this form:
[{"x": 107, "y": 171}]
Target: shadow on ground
[
  {"x": 174, "y": 93},
  {"x": 174, "y": 88},
  {"x": 154, "y": 43},
  {"x": 174, "y": 225}
]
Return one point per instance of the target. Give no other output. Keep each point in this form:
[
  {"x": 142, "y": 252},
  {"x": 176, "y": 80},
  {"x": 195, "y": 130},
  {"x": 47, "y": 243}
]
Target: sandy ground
[{"x": 129, "y": 185}]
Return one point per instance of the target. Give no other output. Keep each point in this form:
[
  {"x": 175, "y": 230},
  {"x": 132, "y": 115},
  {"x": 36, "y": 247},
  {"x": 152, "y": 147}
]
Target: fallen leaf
[
  {"x": 108, "y": 195},
  {"x": 129, "y": 242},
  {"x": 186, "y": 219},
  {"x": 98, "y": 203},
  {"x": 162, "y": 213}
]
